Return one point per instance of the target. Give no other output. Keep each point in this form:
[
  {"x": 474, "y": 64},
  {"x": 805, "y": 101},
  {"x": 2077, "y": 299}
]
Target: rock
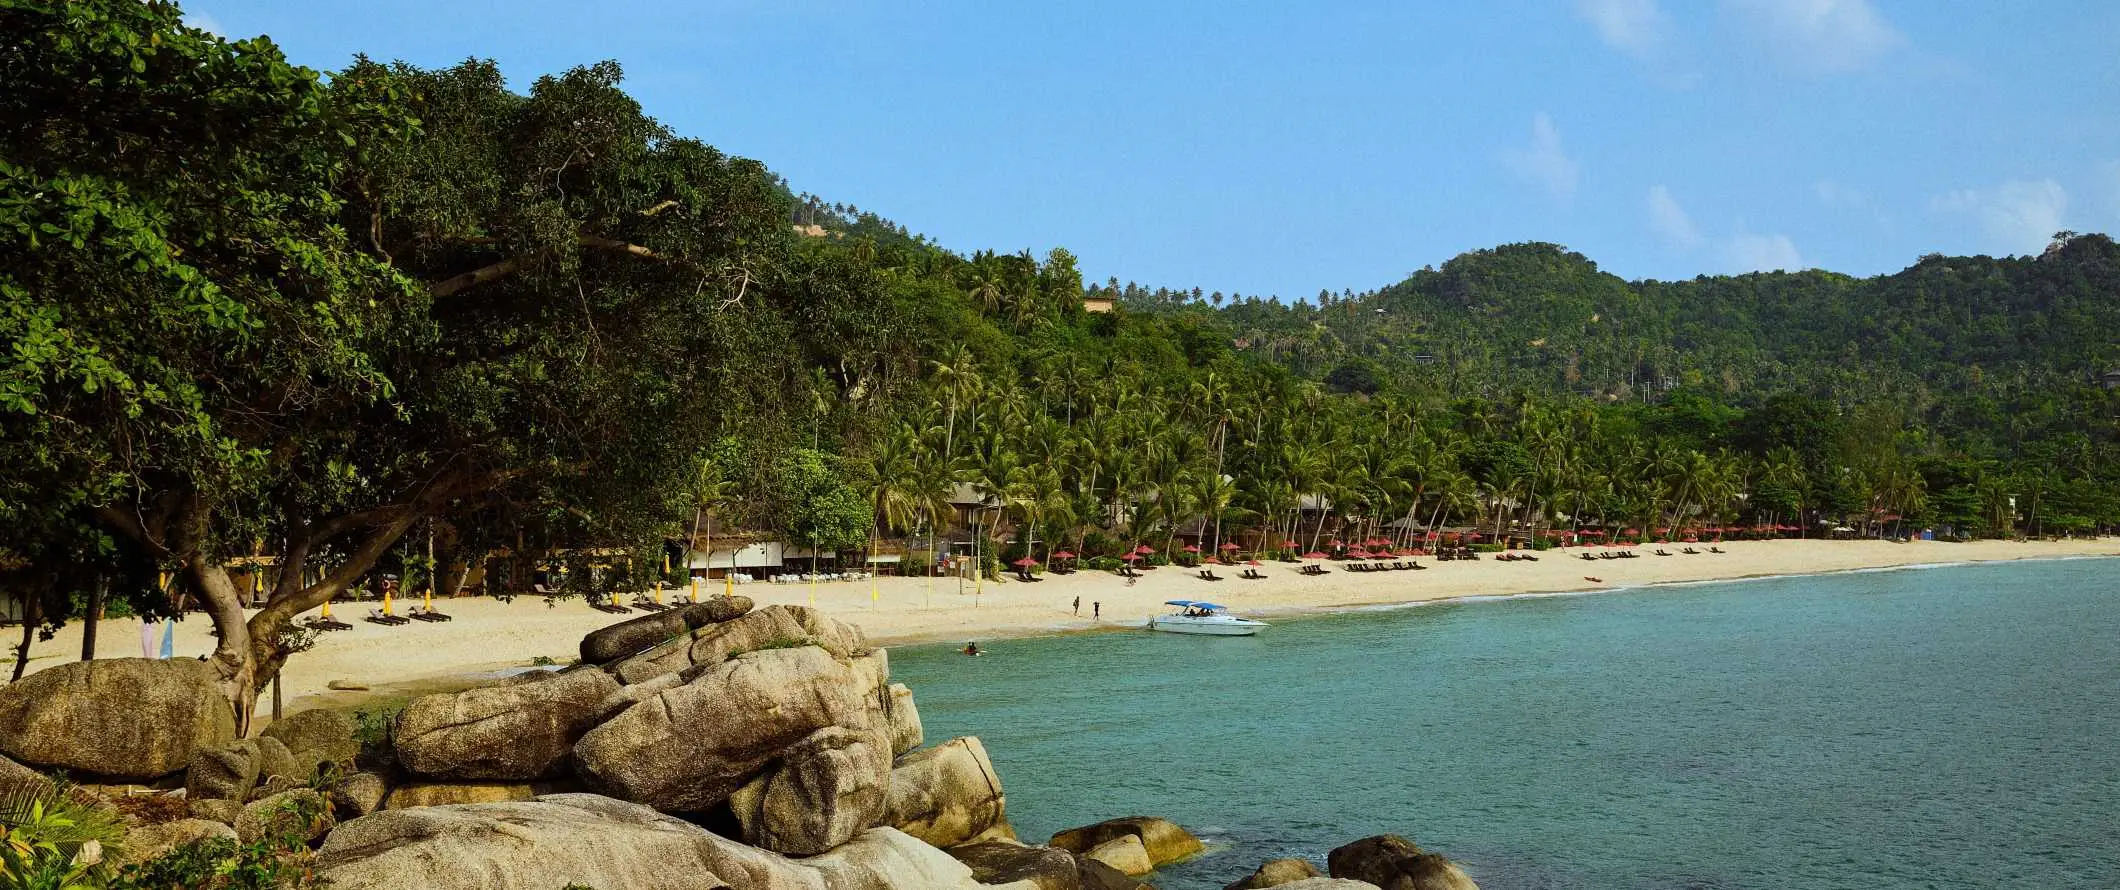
[
  {"x": 148, "y": 717},
  {"x": 1276, "y": 872},
  {"x": 275, "y": 784},
  {"x": 150, "y": 841},
  {"x": 904, "y": 720},
  {"x": 435, "y": 794},
  {"x": 1328, "y": 884},
  {"x": 1393, "y": 863},
  {"x": 947, "y": 795},
  {"x": 691, "y": 747},
  {"x": 628, "y": 696},
  {"x": 18, "y": 777},
  {"x": 225, "y": 812},
  {"x": 358, "y": 795},
  {"x": 563, "y": 839},
  {"x": 886, "y": 859},
  {"x": 629, "y": 637},
  {"x": 346, "y": 686},
  {"x": 1043, "y": 868},
  {"x": 1165, "y": 841},
  {"x": 229, "y": 772},
  {"x": 715, "y": 643},
  {"x": 829, "y": 788},
  {"x": 504, "y": 733},
  {"x": 317, "y": 737},
  {"x": 301, "y": 811},
  {"x": 1124, "y": 853},
  {"x": 1098, "y": 876},
  {"x": 275, "y": 760}
]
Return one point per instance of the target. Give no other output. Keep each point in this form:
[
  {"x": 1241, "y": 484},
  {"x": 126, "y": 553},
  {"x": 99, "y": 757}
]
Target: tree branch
[{"x": 482, "y": 275}]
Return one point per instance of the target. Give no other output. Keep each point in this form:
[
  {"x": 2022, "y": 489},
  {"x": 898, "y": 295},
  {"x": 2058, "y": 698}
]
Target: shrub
[{"x": 278, "y": 861}]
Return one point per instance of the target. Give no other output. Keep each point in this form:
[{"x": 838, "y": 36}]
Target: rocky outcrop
[
  {"x": 772, "y": 626},
  {"x": 358, "y": 795},
  {"x": 594, "y": 841},
  {"x": 1000, "y": 862},
  {"x": 225, "y": 773},
  {"x": 693, "y": 746},
  {"x": 501, "y": 733},
  {"x": 299, "y": 812},
  {"x": 630, "y": 637},
  {"x": 1275, "y": 873},
  {"x": 1124, "y": 853},
  {"x": 1163, "y": 840},
  {"x": 436, "y": 794},
  {"x": 315, "y": 738},
  {"x": 225, "y": 812},
  {"x": 948, "y": 795},
  {"x": 1328, "y": 884},
  {"x": 150, "y": 841},
  {"x": 906, "y": 732},
  {"x": 1393, "y": 863},
  {"x": 828, "y": 788},
  {"x": 146, "y": 718},
  {"x": 274, "y": 760}
]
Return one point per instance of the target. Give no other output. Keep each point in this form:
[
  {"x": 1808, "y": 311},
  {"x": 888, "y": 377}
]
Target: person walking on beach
[
  {"x": 1078, "y": 606},
  {"x": 1096, "y": 610}
]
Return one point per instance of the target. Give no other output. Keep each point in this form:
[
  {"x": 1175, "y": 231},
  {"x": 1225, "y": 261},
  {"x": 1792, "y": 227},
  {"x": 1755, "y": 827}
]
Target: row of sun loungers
[{"x": 1385, "y": 567}]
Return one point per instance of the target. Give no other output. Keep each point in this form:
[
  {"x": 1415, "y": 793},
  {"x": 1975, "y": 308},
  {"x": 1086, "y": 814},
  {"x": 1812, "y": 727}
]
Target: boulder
[
  {"x": 436, "y": 794},
  {"x": 999, "y": 862},
  {"x": 275, "y": 760},
  {"x": 317, "y": 737},
  {"x": 1165, "y": 841},
  {"x": 1124, "y": 853},
  {"x": 828, "y": 788},
  {"x": 225, "y": 812},
  {"x": 301, "y": 811},
  {"x": 229, "y": 772},
  {"x": 148, "y": 717},
  {"x": 563, "y": 839},
  {"x": 151, "y": 841},
  {"x": 358, "y": 795},
  {"x": 501, "y": 733},
  {"x": 628, "y": 696},
  {"x": 629, "y": 637},
  {"x": 1276, "y": 872},
  {"x": 275, "y": 784},
  {"x": 1394, "y": 863},
  {"x": 904, "y": 720},
  {"x": 1098, "y": 876},
  {"x": 17, "y": 777},
  {"x": 886, "y": 859},
  {"x": 772, "y": 626},
  {"x": 947, "y": 795},
  {"x": 1328, "y": 884},
  {"x": 691, "y": 747}
]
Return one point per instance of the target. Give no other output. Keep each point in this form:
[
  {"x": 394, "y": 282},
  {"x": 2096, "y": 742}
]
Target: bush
[
  {"x": 278, "y": 861},
  {"x": 49, "y": 838}
]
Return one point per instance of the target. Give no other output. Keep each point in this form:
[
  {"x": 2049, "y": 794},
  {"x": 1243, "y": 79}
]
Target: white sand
[{"x": 488, "y": 636}]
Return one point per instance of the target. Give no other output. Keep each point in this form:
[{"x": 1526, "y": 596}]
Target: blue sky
[{"x": 1280, "y": 148}]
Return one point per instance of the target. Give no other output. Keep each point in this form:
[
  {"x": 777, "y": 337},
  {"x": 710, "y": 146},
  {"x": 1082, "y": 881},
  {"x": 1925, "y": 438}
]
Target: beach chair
[
  {"x": 420, "y": 613},
  {"x": 1417, "y": 567},
  {"x": 1661, "y": 552},
  {"x": 1715, "y": 550},
  {"x": 377, "y": 616}
]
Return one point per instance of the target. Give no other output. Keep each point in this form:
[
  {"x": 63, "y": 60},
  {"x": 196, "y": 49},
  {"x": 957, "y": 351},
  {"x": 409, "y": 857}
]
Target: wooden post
[{"x": 276, "y": 698}]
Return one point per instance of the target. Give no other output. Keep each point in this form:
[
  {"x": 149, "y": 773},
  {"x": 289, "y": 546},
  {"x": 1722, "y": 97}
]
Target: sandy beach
[{"x": 489, "y": 636}]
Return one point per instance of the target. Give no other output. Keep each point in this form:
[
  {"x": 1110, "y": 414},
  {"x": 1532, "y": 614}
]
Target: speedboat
[{"x": 1196, "y": 617}]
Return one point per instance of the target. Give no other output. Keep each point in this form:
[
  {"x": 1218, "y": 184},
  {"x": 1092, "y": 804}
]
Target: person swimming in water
[{"x": 971, "y": 648}]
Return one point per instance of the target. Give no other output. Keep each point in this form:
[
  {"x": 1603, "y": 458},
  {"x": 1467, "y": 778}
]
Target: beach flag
[
  {"x": 147, "y": 638},
  {"x": 169, "y": 638}
]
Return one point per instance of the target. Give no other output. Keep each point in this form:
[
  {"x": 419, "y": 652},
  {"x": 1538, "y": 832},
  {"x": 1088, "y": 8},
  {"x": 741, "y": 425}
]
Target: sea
[{"x": 1931, "y": 727}]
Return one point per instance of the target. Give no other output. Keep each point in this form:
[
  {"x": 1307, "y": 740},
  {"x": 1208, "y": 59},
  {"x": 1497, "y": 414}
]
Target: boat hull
[{"x": 1215, "y": 627}]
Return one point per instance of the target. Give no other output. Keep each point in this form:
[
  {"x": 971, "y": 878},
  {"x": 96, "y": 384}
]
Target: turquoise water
[{"x": 1933, "y": 728}]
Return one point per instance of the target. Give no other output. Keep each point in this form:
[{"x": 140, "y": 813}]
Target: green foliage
[{"x": 51, "y": 840}]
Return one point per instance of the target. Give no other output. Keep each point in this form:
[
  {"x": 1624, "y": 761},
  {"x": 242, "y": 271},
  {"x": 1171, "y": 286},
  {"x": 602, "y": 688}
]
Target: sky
[{"x": 1283, "y": 148}]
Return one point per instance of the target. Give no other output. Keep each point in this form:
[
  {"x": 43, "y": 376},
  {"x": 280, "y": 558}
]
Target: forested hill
[{"x": 1958, "y": 339}]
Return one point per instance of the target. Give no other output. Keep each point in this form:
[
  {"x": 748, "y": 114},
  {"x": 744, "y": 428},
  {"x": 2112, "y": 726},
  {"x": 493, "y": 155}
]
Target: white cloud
[
  {"x": 2020, "y": 216},
  {"x": 1634, "y": 27},
  {"x": 1671, "y": 220},
  {"x": 205, "y": 22},
  {"x": 1762, "y": 253},
  {"x": 1545, "y": 163},
  {"x": 1821, "y": 35}
]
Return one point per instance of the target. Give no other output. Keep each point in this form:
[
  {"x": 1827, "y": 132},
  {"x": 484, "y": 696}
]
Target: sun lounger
[
  {"x": 377, "y": 616},
  {"x": 423, "y": 614},
  {"x": 1715, "y": 550}
]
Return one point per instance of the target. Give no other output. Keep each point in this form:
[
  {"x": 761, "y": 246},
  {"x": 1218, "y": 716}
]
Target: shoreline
[{"x": 488, "y": 636}]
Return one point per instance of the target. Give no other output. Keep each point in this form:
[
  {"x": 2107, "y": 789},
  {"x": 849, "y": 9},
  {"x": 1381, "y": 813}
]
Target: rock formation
[
  {"x": 501, "y": 733},
  {"x": 147, "y": 717},
  {"x": 1275, "y": 873},
  {"x": 948, "y": 795},
  {"x": 1164, "y": 841},
  {"x": 1392, "y": 862}
]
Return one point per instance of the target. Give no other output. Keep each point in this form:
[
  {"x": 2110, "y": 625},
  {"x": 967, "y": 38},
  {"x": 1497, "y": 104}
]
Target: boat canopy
[{"x": 1195, "y": 604}]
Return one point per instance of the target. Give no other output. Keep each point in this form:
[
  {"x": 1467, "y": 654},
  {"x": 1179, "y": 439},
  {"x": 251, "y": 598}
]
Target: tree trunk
[
  {"x": 32, "y": 614},
  {"x": 94, "y": 616}
]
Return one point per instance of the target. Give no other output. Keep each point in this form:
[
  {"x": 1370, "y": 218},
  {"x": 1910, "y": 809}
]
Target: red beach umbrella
[
  {"x": 1144, "y": 550},
  {"x": 1229, "y": 545},
  {"x": 1190, "y": 548},
  {"x": 1026, "y": 562},
  {"x": 1315, "y": 555},
  {"x": 1290, "y": 544},
  {"x": 1064, "y": 555},
  {"x": 1132, "y": 557}
]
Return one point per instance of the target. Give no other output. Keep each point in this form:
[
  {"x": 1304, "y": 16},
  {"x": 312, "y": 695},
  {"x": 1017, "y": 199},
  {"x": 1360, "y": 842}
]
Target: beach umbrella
[
  {"x": 1131, "y": 557},
  {"x": 1358, "y": 553},
  {"x": 1144, "y": 550},
  {"x": 1315, "y": 555},
  {"x": 1229, "y": 545},
  {"x": 1026, "y": 562},
  {"x": 1064, "y": 554},
  {"x": 1290, "y": 544},
  {"x": 1192, "y": 548}
]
